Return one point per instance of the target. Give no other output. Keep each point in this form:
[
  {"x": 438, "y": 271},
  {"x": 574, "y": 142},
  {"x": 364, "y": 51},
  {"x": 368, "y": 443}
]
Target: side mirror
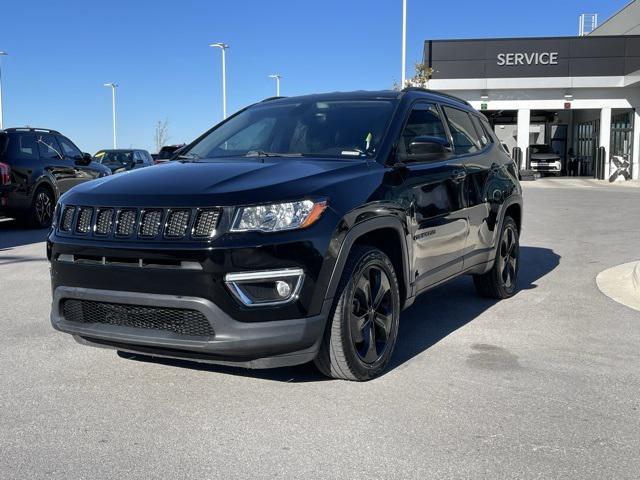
[
  {"x": 84, "y": 159},
  {"x": 429, "y": 148}
]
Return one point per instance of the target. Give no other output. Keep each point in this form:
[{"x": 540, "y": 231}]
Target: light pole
[
  {"x": 2, "y": 54},
  {"x": 223, "y": 47},
  {"x": 113, "y": 109},
  {"x": 277, "y": 76},
  {"x": 404, "y": 43}
]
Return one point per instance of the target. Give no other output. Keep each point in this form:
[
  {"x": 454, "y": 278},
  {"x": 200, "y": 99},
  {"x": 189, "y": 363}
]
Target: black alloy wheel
[
  {"x": 508, "y": 261},
  {"x": 362, "y": 330},
  {"x": 371, "y": 314},
  {"x": 501, "y": 281}
]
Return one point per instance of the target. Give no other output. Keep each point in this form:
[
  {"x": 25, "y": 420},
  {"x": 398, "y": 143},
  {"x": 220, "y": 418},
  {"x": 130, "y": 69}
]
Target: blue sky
[{"x": 62, "y": 52}]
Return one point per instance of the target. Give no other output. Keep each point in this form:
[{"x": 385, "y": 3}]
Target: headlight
[{"x": 278, "y": 216}]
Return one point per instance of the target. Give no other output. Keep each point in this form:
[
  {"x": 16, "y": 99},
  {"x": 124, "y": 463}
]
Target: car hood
[{"x": 233, "y": 181}]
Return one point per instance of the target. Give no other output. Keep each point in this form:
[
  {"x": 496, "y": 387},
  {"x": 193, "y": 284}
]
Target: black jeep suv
[
  {"x": 296, "y": 230},
  {"x": 36, "y": 166}
]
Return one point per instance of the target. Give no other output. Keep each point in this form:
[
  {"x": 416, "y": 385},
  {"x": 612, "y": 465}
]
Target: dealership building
[{"x": 580, "y": 95}]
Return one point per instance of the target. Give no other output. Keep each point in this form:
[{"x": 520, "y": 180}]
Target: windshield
[
  {"x": 334, "y": 128},
  {"x": 114, "y": 158},
  {"x": 541, "y": 149}
]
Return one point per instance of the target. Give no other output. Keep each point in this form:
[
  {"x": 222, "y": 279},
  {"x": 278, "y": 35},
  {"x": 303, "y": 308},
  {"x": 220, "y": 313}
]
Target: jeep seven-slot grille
[
  {"x": 150, "y": 224},
  {"x": 177, "y": 320}
]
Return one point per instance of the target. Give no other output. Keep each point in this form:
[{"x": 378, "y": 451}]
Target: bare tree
[
  {"x": 161, "y": 135},
  {"x": 420, "y": 78}
]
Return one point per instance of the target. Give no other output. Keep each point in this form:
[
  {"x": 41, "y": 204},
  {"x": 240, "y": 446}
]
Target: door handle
[{"x": 458, "y": 175}]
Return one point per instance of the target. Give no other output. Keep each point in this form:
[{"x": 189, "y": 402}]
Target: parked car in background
[
  {"x": 121, "y": 160},
  {"x": 37, "y": 166},
  {"x": 168, "y": 152},
  {"x": 543, "y": 159}
]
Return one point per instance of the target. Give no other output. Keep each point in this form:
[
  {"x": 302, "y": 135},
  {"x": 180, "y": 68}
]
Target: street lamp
[
  {"x": 404, "y": 43},
  {"x": 2, "y": 54},
  {"x": 277, "y": 76},
  {"x": 113, "y": 109},
  {"x": 223, "y": 47}
]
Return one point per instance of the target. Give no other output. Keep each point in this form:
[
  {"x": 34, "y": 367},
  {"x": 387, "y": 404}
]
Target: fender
[
  {"x": 356, "y": 232},
  {"x": 514, "y": 199},
  {"x": 49, "y": 180}
]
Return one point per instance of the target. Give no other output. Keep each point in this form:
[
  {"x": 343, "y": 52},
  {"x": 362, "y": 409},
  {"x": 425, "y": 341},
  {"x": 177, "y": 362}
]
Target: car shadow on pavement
[
  {"x": 433, "y": 316},
  {"x": 12, "y": 234}
]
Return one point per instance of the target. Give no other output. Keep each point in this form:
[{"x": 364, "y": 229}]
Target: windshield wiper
[{"x": 262, "y": 153}]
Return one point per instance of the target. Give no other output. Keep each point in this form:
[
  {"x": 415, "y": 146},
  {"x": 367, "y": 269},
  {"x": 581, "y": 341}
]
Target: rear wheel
[
  {"x": 40, "y": 214},
  {"x": 361, "y": 334},
  {"x": 500, "y": 282}
]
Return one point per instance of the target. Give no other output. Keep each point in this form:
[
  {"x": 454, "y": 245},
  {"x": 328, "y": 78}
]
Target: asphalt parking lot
[{"x": 544, "y": 385}]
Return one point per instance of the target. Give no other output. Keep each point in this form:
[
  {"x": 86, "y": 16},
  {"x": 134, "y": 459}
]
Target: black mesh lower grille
[{"x": 176, "y": 320}]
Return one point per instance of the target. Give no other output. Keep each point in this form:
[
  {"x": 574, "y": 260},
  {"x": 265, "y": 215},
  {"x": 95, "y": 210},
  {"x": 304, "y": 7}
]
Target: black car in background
[
  {"x": 296, "y": 230},
  {"x": 121, "y": 160},
  {"x": 168, "y": 152},
  {"x": 37, "y": 166}
]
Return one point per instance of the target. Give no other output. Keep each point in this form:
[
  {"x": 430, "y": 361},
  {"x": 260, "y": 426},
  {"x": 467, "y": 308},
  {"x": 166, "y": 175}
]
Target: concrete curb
[{"x": 622, "y": 284}]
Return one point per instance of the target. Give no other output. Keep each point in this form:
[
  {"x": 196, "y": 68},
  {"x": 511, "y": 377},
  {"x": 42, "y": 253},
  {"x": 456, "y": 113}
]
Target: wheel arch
[{"x": 385, "y": 233}]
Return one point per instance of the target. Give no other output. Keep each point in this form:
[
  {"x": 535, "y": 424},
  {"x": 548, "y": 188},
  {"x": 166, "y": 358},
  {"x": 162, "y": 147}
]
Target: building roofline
[
  {"x": 611, "y": 18},
  {"x": 559, "y": 37}
]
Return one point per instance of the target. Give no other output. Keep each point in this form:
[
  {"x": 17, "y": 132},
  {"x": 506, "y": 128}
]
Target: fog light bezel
[{"x": 234, "y": 283}]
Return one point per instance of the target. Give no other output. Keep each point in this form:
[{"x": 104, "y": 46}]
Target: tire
[
  {"x": 40, "y": 213},
  {"x": 360, "y": 315},
  {"x": 501, "y": 281}
]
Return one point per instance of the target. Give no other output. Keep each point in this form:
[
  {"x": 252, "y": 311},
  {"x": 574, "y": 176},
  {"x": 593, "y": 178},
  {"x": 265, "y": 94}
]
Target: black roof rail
[
  {"x": 268, "y": 99},
  {"x": 435, "y": 92},
  {"x": 32, "y": 129}
]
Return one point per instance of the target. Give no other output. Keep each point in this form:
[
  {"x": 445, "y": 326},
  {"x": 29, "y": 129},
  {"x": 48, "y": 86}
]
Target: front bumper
[
  {"x": 546, "y": 166},
  {"x": 254, "y": 345}
]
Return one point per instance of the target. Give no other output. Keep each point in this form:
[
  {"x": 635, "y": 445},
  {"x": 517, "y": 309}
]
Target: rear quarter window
[{"x": 21, "y": 146}]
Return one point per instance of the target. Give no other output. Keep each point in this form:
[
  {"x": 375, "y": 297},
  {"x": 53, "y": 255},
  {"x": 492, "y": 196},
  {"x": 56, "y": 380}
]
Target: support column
[
  {"x": 635, "y": 167},
  {"x": 524, "y": 122},
  {"x": 605, "y": 138}
]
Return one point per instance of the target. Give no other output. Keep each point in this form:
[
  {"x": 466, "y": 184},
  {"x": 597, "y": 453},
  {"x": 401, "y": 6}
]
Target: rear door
[
  {"x": 21, "y": 154},
  {"x": 475, "y": 149},
  {"x": 434, "y": 197}
]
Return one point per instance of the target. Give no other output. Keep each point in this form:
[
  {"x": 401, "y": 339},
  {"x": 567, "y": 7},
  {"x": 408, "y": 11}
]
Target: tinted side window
[
  {"x": 48, "y": 147},
  {"x": 424, "y": 120},
  {"x": 485, "y": 139},
  {"x": 22, "y": 146},
  {"x": 68, "y": 148},
  {"x": 465, "y": 137}
]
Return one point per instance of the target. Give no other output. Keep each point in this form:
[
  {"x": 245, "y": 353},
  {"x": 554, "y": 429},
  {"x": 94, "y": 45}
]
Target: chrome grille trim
[
  {"x": 84, "y": 220},
  {"x": 177, "y": 223},
  {"x": 148, "y": 224},
  {"x": 104, "y": 221},
  {"x": 126, "y": 222},
  {"x": 206, "y": 222},
  {"x": 66, "y": 222},
  {"x": 150, "y": 221}
]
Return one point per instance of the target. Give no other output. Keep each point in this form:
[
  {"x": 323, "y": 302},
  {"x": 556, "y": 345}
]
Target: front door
[
  {"x": 51, "y": 156},
  {"x": 434, "y": 195}
]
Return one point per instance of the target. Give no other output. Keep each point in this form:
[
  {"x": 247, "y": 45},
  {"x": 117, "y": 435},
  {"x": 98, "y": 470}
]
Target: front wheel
[
  {"x": 500, "y": 282},
  {"x": 40, "y": 214},
  {"x": 361, "y": 334}
]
